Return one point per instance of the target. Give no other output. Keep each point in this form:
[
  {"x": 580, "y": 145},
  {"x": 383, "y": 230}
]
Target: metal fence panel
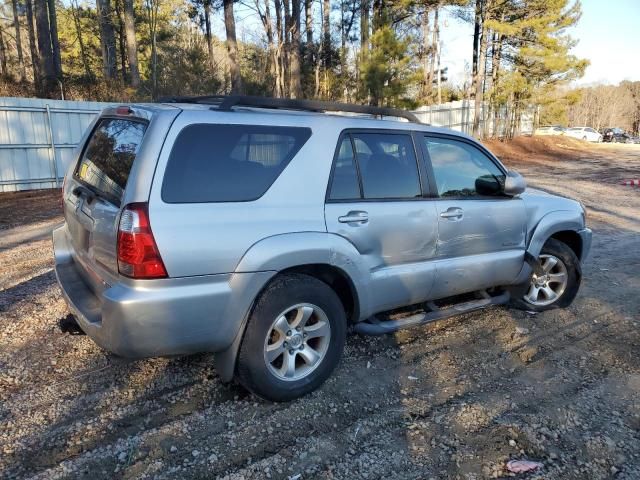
[{"x": 38, "y": 137}]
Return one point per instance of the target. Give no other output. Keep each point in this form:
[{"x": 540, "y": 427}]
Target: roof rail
[{"x": 226, "y": 103}]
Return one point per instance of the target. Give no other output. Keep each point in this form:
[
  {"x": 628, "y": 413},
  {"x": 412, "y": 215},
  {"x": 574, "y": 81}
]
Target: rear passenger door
[
  {"x": 375, "y": 200},
  {"x": 481, "y": 232}
]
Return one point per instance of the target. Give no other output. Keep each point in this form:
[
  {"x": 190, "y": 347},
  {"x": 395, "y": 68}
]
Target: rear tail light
[{"x": 138, "y": 255}]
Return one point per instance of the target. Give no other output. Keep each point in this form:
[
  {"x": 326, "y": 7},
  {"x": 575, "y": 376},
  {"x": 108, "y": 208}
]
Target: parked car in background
[
  {"x": 587, "y": 134},
  {"x": 550, "y": 130},
  {"x": 615, "y": 135},
  {"x": 261, "y": 229}
]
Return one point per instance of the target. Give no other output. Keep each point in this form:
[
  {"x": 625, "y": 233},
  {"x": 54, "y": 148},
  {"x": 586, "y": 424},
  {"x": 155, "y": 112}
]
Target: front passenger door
[{"x": 481, "y": 232}]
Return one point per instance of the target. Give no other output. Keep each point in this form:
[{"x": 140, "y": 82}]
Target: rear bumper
[{"x": 157, "y": 317}]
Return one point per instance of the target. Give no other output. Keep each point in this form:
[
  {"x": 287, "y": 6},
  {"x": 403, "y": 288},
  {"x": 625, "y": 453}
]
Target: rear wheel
[
  {"x": 556, "y": 286},
  {"x": 294, "y": 338}
]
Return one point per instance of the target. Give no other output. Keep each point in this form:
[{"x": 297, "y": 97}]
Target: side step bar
[{"x": 374, "y": 326}]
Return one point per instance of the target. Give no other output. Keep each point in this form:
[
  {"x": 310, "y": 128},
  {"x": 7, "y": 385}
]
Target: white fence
[
  {"x": 459, "y": 116},
  {"x": 38, "y": 136}
]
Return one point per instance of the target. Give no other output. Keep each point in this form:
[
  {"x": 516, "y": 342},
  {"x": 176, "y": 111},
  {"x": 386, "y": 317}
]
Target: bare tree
[
  {"x": 206, "y": 4},
  {"x": 16, "y": 25},
  {"x": 75, "y": 9},
  {"x": 308, "y": 22},
  {"x": 107, "y": 38},
  {"x": 47, "y": 86},
  {"x": 33, "y": 47},
  {"x": 132, "y": 44},
  {"x": 232, "y": 46},
  {"x": 152, "y": 8},
  {"x": 295, "y": 84}
]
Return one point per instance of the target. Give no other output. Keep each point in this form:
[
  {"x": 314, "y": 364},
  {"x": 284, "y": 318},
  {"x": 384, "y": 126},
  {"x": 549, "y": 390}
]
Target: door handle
[
  {"x": 354, "y": 216},
  {"x": 452, "y": 213}
]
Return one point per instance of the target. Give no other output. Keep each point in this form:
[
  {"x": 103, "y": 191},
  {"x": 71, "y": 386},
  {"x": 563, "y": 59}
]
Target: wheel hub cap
[
  {"x": 548, "y": 287},
  {"x": 297, "y": 341}
]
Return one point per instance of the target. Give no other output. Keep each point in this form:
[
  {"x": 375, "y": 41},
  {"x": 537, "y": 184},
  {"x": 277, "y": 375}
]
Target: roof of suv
[{"x": 346, "y": 119}]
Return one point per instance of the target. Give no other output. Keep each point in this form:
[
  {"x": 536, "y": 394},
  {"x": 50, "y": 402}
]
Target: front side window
[
  {"x": 228, "y": 163},
  {"x": 108, "y": 157},
  {"x": 388, "y": 166},
  {"x": 462, "y": 170}
]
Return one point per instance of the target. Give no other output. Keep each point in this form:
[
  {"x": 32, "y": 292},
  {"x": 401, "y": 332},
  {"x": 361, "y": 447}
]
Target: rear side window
[
  {"x": 107, "y": 159},
  {"x": 344, "y": 184},
  {"x": 228, "y": 163},
  {"x": 387, "y": 165}
]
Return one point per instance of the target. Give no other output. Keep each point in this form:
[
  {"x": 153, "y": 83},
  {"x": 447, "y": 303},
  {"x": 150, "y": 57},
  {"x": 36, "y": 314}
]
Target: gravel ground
[{"x": 454, "y": 399}]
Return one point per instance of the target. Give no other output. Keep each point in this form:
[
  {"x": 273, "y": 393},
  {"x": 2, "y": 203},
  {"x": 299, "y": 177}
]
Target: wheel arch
[{"x": 328, "y": 257}]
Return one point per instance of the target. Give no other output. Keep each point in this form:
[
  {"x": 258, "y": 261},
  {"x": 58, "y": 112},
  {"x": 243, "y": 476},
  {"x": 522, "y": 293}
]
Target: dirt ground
[{"x": 454, "y": 399}]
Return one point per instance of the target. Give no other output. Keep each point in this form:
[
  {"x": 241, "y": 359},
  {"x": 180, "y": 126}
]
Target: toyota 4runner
[{"x": 263, "y": 229}]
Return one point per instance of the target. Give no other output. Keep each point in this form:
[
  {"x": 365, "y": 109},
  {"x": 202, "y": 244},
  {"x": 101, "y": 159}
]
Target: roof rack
[{"x": 226, "y": 103}]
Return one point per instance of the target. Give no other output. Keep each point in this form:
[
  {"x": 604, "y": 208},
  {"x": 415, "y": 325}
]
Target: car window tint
[
  {"x": 228, "y": 163},
  {"x": 462, "y": 170},
  {"x": 387, "y": 165},
  {"x": 344, "y": 183},
  {"x": 109, "y": 155}
]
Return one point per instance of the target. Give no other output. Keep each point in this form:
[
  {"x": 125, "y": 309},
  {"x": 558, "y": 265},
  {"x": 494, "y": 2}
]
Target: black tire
[
  {"x": 563, "y": 252},
  {"x": 284, "y": 292}
]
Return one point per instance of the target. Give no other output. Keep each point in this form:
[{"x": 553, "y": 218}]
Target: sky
[{"x": 608, "y": 35}]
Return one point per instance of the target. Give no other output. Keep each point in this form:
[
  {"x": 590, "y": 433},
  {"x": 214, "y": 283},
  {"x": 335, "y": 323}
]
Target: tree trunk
[
  {"x": 16, "y": 24},
  {"x": 55, "y": 43},
  {"x": 364, "y": 25},
  {"x": 232, "y": 47},
  {"x": 132, "y": 44},
  {"x": 479, "y": 82},
  {"x": 496, "y": 53},
  {"x": 121, "y": 40},
  {"x": 279, "y": 49},
  {"x": 47, "y": 66},
  {"x": 477, "y": 31},
  {"x": 287, "y": 45},
  {"x": 33, "y": 48},
  {"x": 426, "y": 47},
  {"x": 308, "y": 15},
  {"x": 326, "y": 32},
  {"x": 107, "y": 38},
  {"x": 3, "y": 56},
  {"x": 152, "y": 7},
  {"x": 207, "y": 31},
  {"x": 435, "y": 39},
  {"x": 83, "y": 51},
  {"x": 295, "y": 85}
]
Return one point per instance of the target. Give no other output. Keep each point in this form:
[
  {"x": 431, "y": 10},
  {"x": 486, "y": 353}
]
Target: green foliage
[{"x": 385, "y": 70}]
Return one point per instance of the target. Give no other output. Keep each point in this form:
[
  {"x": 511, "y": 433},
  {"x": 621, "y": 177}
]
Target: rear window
[
  {"x": 228, "y": 163},
  {"x": 107, "y": 159}
]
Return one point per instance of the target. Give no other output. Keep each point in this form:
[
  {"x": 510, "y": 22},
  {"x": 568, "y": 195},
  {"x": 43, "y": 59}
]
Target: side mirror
[{"x": 514, "y": 183}]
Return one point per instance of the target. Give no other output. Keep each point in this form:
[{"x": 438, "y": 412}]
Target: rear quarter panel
[{"x": 209, "y": 238}]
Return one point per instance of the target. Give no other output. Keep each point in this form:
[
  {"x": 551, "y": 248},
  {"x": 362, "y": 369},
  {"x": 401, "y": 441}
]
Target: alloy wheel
[
  {"x": 545, "y": 289},
  {"x": 297, "y": 341}
]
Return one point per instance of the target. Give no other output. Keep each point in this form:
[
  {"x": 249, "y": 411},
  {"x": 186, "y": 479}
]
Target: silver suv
[{"x": 262, "y": 230}]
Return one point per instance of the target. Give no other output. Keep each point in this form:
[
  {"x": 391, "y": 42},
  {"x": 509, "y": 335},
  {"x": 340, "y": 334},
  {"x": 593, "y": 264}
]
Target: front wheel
[
  {"x": 293, "y": 340},
  {"x": 558, "y": 283}
]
